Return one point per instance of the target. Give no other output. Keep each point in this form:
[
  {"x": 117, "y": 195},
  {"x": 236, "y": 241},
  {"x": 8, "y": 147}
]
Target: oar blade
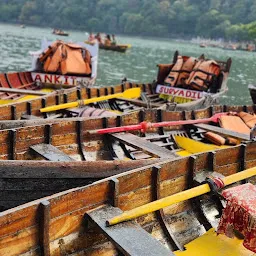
[
  {"x": 132, "y": 93},
  {"x": 193, "y": 146}
]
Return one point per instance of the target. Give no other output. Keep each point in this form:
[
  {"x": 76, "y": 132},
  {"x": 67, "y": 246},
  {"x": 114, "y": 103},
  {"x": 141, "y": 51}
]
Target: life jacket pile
[
  {"x": 241, "y": 123},
  {"x": 193, "y": 73},
  {"x": 66, "y": 58}
]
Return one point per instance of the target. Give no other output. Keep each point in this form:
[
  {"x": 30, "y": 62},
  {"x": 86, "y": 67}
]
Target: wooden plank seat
[
  {"x": 22, "y": 91},
  {"x": 128, "y": 237},
  {"x": 223, "y": 131},
  {"x": 139, "y": 102},
  {"x": 51, "y": 153},
  {"x": 144, "y": 145}
]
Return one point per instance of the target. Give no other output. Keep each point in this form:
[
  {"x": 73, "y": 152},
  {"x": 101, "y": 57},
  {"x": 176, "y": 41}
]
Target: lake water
[{"x": 138, "y": 64}]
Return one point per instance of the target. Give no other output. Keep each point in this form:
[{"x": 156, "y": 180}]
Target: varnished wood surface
[{"x": 19, "y": 232}]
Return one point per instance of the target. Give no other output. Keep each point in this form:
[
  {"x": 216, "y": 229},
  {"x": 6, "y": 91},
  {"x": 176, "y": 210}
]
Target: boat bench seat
[
  {"x": 128, "y": 237},
  {"x": 143, "y": 145},
  {"x": 51, "y": 153},
  {"x": 223, "y": 131}
]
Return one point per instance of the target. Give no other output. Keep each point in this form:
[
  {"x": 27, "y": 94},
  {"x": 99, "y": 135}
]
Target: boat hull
[
  {"x": 28, "y": 144},
  {"x": 65, "y": 219},
  {"x": 116, "y": 48},
  {"x": 252, "y": 90},
  {"x": 61, "y": 34}
]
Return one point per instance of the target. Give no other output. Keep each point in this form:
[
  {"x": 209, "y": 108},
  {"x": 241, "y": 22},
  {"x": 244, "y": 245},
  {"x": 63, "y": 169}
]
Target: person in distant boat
[
  {"x": 98, "y": 37},
  {"x": 91, "y": 38},
  {"x": 107, "y": 40},
  {"x": 113, "y": 40}
]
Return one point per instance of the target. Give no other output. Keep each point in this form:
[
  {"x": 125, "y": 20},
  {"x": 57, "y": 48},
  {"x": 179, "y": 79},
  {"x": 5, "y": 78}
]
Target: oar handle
[
  {"x": 117, "y": 129},
  {"x": 144, "y": 126},
  {"x": 129, "y": 93},
  {"x": 177, "y": 198},
  {"x": 102, "y": 98},
  {"x": 59, "y": 107}
]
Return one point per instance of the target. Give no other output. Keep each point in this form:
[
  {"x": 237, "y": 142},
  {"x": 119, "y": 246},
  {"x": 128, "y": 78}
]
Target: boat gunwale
[{"x": 101, "y": 192}]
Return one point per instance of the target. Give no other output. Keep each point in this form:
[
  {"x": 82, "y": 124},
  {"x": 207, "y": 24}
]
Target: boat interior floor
[{"x": 211, "y": 244}]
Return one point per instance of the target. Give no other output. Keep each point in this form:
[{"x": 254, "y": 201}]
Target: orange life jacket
[
  {"x": 203, "y": 74},
  {"x": 52, "y": 48},
  {"x": 52, "y": 62},
  {"x": 187, "y": 67},
  {"x": 180, "y": 71},
  {"x": 219, "y": 140},
  {"x": 215, "y": 138},
  {"x": 75, "y": 60},
  {"x": 249, "y": 119},
  {"x": 163, "y": 71},
  {"x": 234, "y": 123},
  {"x": 66, "y": 58},
  {"x": 173, "y": 76}
]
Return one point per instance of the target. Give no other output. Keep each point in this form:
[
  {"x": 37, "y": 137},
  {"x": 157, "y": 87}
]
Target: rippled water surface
[{"x": 138, "y": 64}]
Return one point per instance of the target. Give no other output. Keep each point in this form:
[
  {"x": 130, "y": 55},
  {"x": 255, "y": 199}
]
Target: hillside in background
[{"x": 229, "y": 19}]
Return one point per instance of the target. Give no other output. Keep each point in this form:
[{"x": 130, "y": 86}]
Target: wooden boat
[
  {"x": 116, "y": 48},
  {"x": 29, "y": 85},
  {"x": 57, "y": 78},
  {"x": 60, "y": 32},
  {"x": 203, "y": 45},
  {"x": 31, "y": 108},
  {"x": 180, "y": 98},
  {"x": 73, "y": 222},
  {"x": 252, "y": 90},
  {"x": 47, "y": 156},
  {"x": 152, "y": 100}
]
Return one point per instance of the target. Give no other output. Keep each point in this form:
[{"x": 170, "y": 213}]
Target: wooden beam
[
  {"x": 223, "y": 131},
  {"x": 20, "y": 91},
  {"x": 140, "y": 103},
  {"x": 44, "y": 227},
  {"x": 143, "y": 145},
  {"x": 129, "y": 237},
  {"x": 51, "y": 153},
  {"x": 73, "y": 170}
]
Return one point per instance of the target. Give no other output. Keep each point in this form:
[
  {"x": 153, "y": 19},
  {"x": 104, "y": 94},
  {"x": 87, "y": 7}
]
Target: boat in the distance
[
  {"x": 73, "y": 222},
  {"x": 60, "y": 32},
  {"x": 116, "y": 47}
]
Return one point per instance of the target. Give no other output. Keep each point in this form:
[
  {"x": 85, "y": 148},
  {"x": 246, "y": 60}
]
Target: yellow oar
[
  {"x": 194, "y": 147},
  {"x": 129, "y": 94},
  {"x": 179, "y": 197}
]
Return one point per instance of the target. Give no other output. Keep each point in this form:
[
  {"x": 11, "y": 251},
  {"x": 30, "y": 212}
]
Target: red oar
[{"x": 143, "y": 126}]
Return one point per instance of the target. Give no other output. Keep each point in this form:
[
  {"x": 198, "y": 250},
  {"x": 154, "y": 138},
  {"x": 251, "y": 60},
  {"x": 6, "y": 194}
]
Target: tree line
[{"x": 228, "y": 19}]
